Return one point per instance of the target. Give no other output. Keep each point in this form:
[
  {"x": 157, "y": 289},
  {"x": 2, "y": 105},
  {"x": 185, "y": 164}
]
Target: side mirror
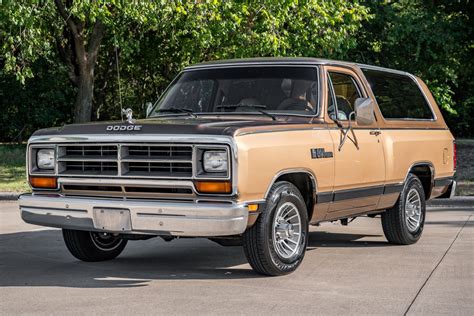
[
  {"x": 149, "y": 107},
  {"x": 364, "y": 110}
]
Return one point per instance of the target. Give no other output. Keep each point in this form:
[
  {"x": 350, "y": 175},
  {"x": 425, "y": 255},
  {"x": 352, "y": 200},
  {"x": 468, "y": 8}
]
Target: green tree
[
  {"x": 432, "y": 39},
  {"x": 43, "y": 101},
  {"x": 232, "y": 29},
  {"x": 155, "y": 39},
  {"x": 73, "y": 30}
]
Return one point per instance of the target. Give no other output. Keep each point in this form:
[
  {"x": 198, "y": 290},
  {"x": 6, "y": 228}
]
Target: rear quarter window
[{"x": 398, "y": 96}]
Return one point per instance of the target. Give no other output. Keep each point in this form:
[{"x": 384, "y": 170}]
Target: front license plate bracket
[{"x": 112, "y": 219}]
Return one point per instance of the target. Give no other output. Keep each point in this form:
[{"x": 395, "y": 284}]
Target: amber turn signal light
[
  {"x": 44, "y": 182},
  {"x": 213, "y": 186},
  {"x": 253, "y": 207}
]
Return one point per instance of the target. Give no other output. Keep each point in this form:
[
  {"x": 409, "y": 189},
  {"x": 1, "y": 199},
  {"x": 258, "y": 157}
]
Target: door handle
[{"x": 375, "y": 132}]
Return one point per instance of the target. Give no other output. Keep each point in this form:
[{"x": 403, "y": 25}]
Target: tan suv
[{"x": 248, "y": 152}]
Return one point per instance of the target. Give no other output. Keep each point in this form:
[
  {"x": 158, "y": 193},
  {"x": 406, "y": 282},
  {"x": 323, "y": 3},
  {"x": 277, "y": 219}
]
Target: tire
[
  {"x": 93, "y": 246},
  {"x": 399, "y": 222},
  {"x": 264, "y": 241}
]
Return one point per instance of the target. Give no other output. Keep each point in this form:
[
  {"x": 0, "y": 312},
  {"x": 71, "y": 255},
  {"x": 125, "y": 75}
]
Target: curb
[
  {"x": 9, "y": 196},
  {"x": 455, "y": 201}
]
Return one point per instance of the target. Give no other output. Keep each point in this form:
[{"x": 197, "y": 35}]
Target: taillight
[{"x": 455, "y": 155}]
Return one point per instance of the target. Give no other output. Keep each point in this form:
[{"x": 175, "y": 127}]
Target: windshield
[{"x": 277, "y": 89}]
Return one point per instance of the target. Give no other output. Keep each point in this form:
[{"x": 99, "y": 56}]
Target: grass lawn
[{"x": 12, "y": 168}]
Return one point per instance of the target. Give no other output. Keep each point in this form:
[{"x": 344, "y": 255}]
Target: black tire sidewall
[
  {"x": 81, "y": 246},
  {"x": 285, "y": 192},
  {"x": 412, "y": 182}
]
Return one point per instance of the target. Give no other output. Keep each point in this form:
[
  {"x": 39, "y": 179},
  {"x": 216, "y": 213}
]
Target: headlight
[
  {"x": 45, "y": 159},
  {"x": 215, "y": 161}
]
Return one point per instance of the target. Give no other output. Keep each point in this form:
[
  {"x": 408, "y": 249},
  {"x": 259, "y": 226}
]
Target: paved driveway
[{"x": 347, "y": 270}]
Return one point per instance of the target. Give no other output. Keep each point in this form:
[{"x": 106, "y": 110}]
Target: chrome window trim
[
  {"x": 333, "y": 96},
  {"x": 292, "y": 61},
  {"x": 383, "y": 69},
  {"x": 252, "y": 64},
  {"x": 413, "y": 78},
  {"x": 288, "y": 61}
]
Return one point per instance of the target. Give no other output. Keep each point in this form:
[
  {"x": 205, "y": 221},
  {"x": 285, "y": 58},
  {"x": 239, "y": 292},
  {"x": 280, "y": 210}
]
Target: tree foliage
[
  {"x": 154, "y": 40},
  {"x": 432, "y": 39}
]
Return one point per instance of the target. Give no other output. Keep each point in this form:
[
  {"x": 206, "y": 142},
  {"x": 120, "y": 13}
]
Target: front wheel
[
  {"x": 93, "y": 246},
  {"x": 276, "y": 243},
  {"x": 403, "y": 223}
]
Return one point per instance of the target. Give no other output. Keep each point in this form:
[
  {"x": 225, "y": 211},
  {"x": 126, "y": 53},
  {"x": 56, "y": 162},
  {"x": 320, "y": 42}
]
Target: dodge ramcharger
[{"x": 248, "y": 152}]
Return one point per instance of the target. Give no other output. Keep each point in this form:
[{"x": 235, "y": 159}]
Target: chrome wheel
[
  {"x": 413, "y": 214},
  {"x": 287, "y": 231},
  {"x": 105, "y": 241}
]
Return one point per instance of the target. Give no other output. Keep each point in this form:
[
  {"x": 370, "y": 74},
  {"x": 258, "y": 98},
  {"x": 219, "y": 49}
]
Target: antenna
[{"x": 118, "y": 80}]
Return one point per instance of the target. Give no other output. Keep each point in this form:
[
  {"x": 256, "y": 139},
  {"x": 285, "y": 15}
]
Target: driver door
[{"x": 359, "y": 161}]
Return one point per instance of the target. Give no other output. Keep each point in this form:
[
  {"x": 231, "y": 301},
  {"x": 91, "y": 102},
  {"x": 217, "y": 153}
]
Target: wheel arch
[
  {"x": 304, "y": 180},
  {"x": 425, "y": 171}
]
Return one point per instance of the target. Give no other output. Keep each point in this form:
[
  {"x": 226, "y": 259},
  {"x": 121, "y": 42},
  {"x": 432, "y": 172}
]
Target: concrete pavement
[{"x": 347, "y": 270}]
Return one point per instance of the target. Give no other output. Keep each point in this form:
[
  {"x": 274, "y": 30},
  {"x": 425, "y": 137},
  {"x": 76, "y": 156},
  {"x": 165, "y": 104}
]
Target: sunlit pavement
[{"x": 347, "y": 270}]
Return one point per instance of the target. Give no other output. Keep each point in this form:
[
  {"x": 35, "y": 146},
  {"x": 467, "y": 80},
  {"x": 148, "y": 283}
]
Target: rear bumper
[
  {"x": 444, "y": 189},
  {"x": 146, "y": 217}
]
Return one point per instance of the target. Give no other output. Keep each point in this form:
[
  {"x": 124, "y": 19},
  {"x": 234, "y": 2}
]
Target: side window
[
  {"x": 343, "y": 92},
  {"x": 398, "y": 96}
]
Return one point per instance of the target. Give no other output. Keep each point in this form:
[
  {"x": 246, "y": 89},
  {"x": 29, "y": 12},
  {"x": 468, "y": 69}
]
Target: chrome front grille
[
  {"x": 89, "y": 152},
  {"x": 89, "y": 167},
  {"x": 152, "y": 152},
  {"x": 126, "y": 160},
  {"x": 159, "y": 169}
]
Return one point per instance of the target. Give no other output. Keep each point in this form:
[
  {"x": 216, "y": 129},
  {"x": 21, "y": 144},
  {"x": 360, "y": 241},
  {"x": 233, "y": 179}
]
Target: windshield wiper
[
  {"x": 176, "y": 110},
  {"x": 256, "y": 107}
]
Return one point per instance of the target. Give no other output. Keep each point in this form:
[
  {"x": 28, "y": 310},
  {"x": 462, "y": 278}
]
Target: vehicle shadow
[
  {"x": 40, "y": 258},
  {"x": 322, "y": 239}
]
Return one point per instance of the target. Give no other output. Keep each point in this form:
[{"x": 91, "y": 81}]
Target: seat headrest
[{"x": 286, "y": 87}]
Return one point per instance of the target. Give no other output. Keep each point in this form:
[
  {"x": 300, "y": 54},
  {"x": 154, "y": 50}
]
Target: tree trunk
[
  {"x": 81, "y": 67},
  {"x": 83, "y": 103}
]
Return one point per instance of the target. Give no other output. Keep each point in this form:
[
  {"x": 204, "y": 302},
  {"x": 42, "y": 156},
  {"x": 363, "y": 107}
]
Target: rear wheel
[
  {"x": 276, "y": 243},
  {"x": 93, "y": 246},
  {"x": 403, "y": 223}
]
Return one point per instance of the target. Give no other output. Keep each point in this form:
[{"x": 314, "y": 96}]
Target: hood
[{"x": 176, "y": 125}]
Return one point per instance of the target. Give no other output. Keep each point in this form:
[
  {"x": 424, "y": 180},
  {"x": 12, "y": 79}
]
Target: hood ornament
[{"x": 129, "y": 115}]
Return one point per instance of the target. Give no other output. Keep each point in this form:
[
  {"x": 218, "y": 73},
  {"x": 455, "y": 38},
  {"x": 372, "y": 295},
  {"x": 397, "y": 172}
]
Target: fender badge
[{"x": 317, "y": 153}]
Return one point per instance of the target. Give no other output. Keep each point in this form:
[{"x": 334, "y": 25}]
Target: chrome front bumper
[{"x": 145, "y": 217}]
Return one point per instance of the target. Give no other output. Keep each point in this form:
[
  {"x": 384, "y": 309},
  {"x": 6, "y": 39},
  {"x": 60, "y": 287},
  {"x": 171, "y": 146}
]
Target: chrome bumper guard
[
  {"x": 204, "y": 219},
  {"x": 452, "y": 189}
]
